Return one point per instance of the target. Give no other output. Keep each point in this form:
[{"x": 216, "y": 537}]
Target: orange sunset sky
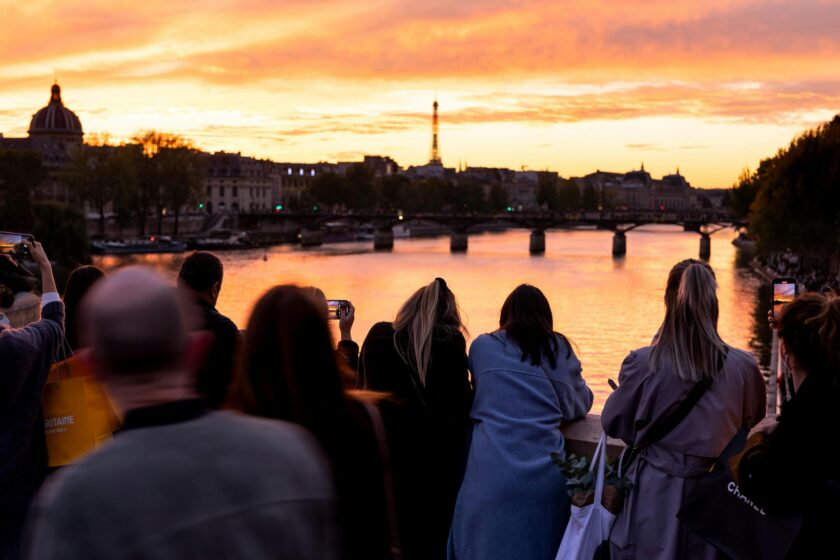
[{"x": 572, "y": 86}]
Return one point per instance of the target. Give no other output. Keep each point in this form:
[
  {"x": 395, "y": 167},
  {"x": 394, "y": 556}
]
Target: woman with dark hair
[
  {"x": 686, "y": 355},
  {"x": 78, "y": 284},
  {"x": 291, "y": 372},
  {"x": 421, "y": 361},
  {"x": 796, "y": 467},
  {"x": 513, "y": 501}
]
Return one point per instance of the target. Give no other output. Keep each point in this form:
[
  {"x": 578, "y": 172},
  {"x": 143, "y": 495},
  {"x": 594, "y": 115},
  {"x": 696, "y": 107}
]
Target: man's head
[
  {"x": 202, "y": 273},
  {"x": 138, "y": 331}
]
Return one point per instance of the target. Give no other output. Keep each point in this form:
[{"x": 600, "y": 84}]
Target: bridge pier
[
  {"x": 311, "y": 238},
  {"x": 705, "y": 246},
  {"x": 458, "y": 242},
  {"x": 383, "y": 240},
  {"x": 537, "y": 244},
  {"x": 619, "y": 248}
]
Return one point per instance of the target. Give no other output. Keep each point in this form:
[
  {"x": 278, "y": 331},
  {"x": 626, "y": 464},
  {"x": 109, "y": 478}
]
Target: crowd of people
[
  {"x": 810, "y": 272},
  {"x": 279, "y": 442}
]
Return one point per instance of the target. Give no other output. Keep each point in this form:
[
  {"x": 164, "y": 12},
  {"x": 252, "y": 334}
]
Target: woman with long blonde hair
[
  {"x": 420, "y": 359},
  {"x": 687, "y": 357}
]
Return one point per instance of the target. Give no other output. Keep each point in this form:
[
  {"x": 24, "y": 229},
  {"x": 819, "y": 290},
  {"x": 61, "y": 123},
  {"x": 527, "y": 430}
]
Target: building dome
[{"x": 55, "y": 118}]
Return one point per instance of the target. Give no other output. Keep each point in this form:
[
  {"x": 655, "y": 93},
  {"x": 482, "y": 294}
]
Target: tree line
[
  {"x": 792, "y": 201},
  {"x": 156, "y": 173},
  {"x": 360, "y": 189}
]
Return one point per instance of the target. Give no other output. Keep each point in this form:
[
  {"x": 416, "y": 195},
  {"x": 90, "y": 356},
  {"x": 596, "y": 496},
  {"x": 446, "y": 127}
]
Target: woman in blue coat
[{"x": 513, "y": 501}]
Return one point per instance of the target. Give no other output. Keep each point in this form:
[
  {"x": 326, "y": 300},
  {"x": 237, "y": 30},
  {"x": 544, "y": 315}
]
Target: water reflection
[{"x": 607, "y": 306}]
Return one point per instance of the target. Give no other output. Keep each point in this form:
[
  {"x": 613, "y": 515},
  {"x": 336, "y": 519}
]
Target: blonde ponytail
[
  {"x": 430, "y": 307},
  {"x": 688, "y": 339}
]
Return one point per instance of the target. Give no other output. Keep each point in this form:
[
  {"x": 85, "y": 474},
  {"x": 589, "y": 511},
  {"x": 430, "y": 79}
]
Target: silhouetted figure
[
  {"x": 653, "y": 381},
  {"x": 771, "y": 473},
  {"x": 78, "y": 283},
  {"x": 180, "y": 481},
  {"x": 420, "y": 359},
  {"x": 202, "y": 274},
  {"x": 291, "y": 372},
  {"x": 513, "y": 501},
  {"x": 26, "y": 356}
]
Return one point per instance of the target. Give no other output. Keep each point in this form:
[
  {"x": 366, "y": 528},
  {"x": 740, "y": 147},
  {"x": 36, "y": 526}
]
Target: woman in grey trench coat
[{"x": 655, "y": 379}]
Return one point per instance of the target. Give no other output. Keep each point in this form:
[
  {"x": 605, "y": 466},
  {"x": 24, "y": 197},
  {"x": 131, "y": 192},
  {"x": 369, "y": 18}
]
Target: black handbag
[{"x": 718, "y": 512}]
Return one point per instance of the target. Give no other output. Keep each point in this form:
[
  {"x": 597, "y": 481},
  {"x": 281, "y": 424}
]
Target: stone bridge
[{"x": 310, "y": 225}]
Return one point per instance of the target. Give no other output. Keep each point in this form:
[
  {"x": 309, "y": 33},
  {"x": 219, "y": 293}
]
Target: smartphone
[
  {"x": 784, "y": 291},
  {"x": 337, "y": 308},
  {"x": 13, "y": 243}
]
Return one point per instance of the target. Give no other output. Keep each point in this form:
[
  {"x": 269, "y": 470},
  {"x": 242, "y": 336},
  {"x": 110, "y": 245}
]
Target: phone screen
[
  {"x": 336, "y": 308},
  {"x": 13, "y": 242},
  {"x": 784, "y": 291}
]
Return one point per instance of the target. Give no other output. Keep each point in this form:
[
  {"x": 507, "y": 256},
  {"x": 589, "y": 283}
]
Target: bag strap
[
  {"x": 600, "y": 476},
  {"x": 390, "y": 500},
  {"x": 664, "y": 425}
]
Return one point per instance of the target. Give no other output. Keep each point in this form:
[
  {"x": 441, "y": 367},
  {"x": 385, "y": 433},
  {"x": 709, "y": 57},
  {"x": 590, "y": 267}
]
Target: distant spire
[
  {"x": 643, "y": 166},
  {"x": 55, "y": 92},
  {"x": 435, "y": 159}
]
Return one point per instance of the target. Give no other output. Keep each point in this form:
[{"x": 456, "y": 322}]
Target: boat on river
[
  {"x": 153, "y": 244},
  {"x": 221, "y": 241}
]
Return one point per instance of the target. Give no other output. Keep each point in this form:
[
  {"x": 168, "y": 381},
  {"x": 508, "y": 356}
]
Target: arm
[
  {"x": 619, "y": 415},
  {"x": 764, "y": 471},
  {"x": 575, "y": 394}
]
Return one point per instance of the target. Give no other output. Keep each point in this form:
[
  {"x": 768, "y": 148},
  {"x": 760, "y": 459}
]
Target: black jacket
[
  {"x": 215, "y": 376},
  {"x": 797, "y": 469},
  {"x": 428, "y": 426}
]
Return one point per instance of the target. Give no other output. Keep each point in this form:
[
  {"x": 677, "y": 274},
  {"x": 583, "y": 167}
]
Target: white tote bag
[{"x": 590, "y": 525}]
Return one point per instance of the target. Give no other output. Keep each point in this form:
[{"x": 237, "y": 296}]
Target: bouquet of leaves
[{"x": 580, "y": 481}]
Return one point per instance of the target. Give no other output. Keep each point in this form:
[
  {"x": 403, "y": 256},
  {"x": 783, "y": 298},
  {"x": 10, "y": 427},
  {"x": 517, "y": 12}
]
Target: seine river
[{"x": 607, "y": 306}]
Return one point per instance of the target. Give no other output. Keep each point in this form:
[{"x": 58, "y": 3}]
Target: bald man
[{"x": 179, "y": 481}]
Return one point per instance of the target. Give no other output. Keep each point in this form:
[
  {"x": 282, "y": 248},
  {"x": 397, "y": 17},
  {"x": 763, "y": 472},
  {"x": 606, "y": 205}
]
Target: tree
[
  {"x": 170, "y": 173},
  {"x": 589, "y": 198},
  {"x": 182, "y": 178},
  {"x": 568, "y": 196},
  {"x": 104, "y": 177},
  {"x": 21, "y": 172},
  {"x": 62, "y": 229},
  {"x": 797, "y": 196},
  {"x": 360, "y": 180},
  {"x": 547, "y": 190},
  {"x": 330, "y": 189},
  {"x": 497, "y": 198},
  {"x": 743, "y": 193},
  {"x": 394, "y": 192}
]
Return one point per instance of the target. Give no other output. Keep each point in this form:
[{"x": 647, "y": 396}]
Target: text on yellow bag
[{"x": 78, "y": 416}]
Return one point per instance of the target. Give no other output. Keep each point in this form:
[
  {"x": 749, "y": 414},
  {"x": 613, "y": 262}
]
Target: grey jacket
[{"x": 219, "y": 485}]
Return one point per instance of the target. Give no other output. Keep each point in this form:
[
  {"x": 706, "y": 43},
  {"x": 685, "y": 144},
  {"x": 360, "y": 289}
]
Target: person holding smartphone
[
  {"x": 26, "y": 355},
  {"x": 796, "y": 467},
  {"x": 344, "y": 312}
]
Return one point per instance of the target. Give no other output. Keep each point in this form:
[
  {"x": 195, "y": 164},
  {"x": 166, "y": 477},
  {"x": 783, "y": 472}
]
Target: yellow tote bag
[{"x": 78, "y": 416}]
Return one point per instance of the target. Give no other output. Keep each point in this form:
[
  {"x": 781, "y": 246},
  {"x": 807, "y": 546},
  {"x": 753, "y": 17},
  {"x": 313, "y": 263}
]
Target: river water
[{"x": 607, "y": 306}]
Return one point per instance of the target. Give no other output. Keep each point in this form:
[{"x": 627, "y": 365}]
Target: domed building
[
  {"x": 55, "y": 119},
  {"x": 56, "y": 133}
]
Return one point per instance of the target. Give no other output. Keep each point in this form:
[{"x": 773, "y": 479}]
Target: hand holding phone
[
  {"x": 16, "y": 244},
  {"x": 337, "y": 308},
  {"x": 784, "y": 292}
]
